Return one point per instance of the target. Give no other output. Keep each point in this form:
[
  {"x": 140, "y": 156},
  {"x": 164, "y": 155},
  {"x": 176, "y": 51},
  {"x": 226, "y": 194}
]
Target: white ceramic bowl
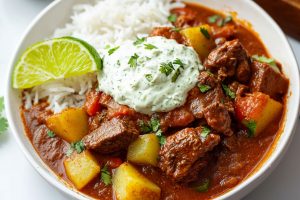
[{"x": 58, "y": 13}]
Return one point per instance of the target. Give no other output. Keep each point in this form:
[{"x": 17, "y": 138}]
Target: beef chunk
[
  {"x": 178, "y": 117},
  {"x": 230, "y": 59},
  {"x": 168, "y": 33},
  {"x": 214, "y": 106},
  {"x": 112, "y": 136},
  {"x": 218, "y": 118},
  {"x": 238, "y": 89},
  {"x": 186, "y": 17},
  {"x": 182, "y": 156},
  {"x": 264, "y": 79}
]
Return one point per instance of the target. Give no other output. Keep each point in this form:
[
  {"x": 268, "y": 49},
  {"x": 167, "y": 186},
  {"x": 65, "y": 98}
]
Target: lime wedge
[{"x": 55, "y": 59}]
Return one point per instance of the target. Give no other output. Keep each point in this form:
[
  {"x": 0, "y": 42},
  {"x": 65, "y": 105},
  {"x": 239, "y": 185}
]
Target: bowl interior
[{"x": 58, "y": 13}]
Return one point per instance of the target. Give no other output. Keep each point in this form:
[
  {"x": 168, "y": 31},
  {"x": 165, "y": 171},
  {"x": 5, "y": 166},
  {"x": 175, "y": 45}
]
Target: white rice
[{"x": 106, "y": 23}]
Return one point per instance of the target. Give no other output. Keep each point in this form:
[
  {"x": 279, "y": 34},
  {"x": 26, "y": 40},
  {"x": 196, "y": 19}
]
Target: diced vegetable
[
  {"x": 71, "y": 124},
  {"x": 256, "y": 111},
  {"x": 114, "y": 162},
  {"x": 200, "y": 38},
  {"x": 144, "y": 150},
  {"x": 130, "y": 184},
  {"x": 92, "y": 104},
  {"x": 81, "y": 168}
]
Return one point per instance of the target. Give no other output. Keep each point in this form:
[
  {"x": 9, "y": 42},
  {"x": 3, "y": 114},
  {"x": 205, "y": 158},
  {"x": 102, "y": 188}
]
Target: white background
[{"x": 18, "y": 180}]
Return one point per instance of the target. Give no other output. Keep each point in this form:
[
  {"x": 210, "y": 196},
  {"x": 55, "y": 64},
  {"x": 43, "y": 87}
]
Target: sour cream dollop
[{"x": 152, "y": 75}]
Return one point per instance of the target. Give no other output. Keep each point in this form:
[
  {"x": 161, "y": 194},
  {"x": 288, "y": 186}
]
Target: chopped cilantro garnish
[
  {"x": 251, "y": 126},
  {"x": 269, "y": 61},
  {"x": 3, "y": 125},
  {"x": 150, "y": 46},
  {"x": 203, "y": 187},
  {"x": 213, "y": 19},
  {"x": 75, "y": 146},
  {"x": 179, "y": 62},
  {"x": 205, "y": 32},
  {"x": 133, "y": 61},
  {"x": 175, "y": 29},
  {"x": 153, "y": 126},
  {"x": 204, "y": 88},
  {"x": 205, "y": 131},
  {"x": 166, "y": 68},
  {"x": 51, "y": 134},
  {"x": 3, "y": 120},
  {"x": 149, "y": 77},
  {"x": 161, "y": 137},
  {"x": 227, "y": 19},
  {"x": 172, "y": 18},
  {"x": 175, "y": 76},
  {"x": 105, "y": 175},
  {"x": 228, "y": 91},
  {"x": 1, "y": 104},
  {"x": 139, "y": 40},
  {"x": 111, "y": 51}
]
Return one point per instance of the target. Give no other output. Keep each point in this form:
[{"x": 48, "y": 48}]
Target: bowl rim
[{"x": 247, "y": 185}]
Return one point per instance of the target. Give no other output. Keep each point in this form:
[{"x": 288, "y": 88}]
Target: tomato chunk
[
  {"x": 92, "y": 104},
  {"x": 114, "y": 162}
]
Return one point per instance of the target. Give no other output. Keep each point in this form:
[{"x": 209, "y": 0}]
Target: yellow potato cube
[
  {"x": 200, "y": 38},
  {"x": 81, "y": 168},
  {"x": 256, "y": 111},
  {"x": 144, "y": 150},
  {"x": 130, "y": 184},
  {"x": 71, "y": 124}
]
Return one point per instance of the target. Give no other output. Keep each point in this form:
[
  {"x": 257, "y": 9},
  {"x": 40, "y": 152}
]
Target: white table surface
[{"x": 19, "y": 180}]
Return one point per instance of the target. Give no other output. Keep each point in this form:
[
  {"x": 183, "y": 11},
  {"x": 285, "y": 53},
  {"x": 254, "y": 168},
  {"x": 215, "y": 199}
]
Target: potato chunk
[
  {"x": 144, "y": 150},
  {"x": 200, "y": 38},
  {"x": 129, "y": 184},
  {"x": 256, "y": 111},
  {"x": 71, "y": 124},
  {"x": 81, "y": 168}
]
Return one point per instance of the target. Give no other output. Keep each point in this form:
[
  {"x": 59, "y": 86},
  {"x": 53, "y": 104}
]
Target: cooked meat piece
[
  {"x": 96, "y": 120},
  {"x": 238, "y": 88},
  {"x": 51, "y": 150},
  {"x": 178, "y": 117},
  {"x": 186, "y": 17},
  {"x": 230, "y": 59},
  {"x": 207, "y": 78},
  {"x": 218, "y": 118},
  {"x": 167, "y": 32},
  {"x": 113, "y": 108},
  {"x": 112, "y": 136},
  {"x": 183, "y": 151},
  {"x": 264, "y": 79},
  {"x": 227, "y": 32}
]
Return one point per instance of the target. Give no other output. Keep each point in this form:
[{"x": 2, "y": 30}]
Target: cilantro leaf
[
  {"x": 111, "y": 51},
  {"x": 166, "y": 68},
  {"x": 228, "y": 91},
  {"x": 51, "y": 134},
  {"x": 133, "y": 61},
  {"x": 3, "y": 125},
  {"x": 177, "y": 61},
  {"x": 69, "y": 152},
  {"x": 139, "y": 40},
  {"x": 203, "y": 187},
  {"x": 204, "y": 88},
  {"x": 205, "y": 32},
  {"x": 205, "y": 131},
  {"x": 251, "y": 126},
  {"x": 213, "y": 19},
  {"x": 105, "y": 176},
  {"x": 149, "y": 77},
  {"x": 161, "y": 137},
  {"x": 172, "y": 18},
  {"x": 78, "y": 146},
  {"x": 175, "y": 29},
  {"x": 269, "y": 61},
  {"x": 150, "y": 46},
  {"x": 1, "y": 104},
  {"x": 155, "y": 124},
  {"x": 145, "y": 127},
  {"x": 175, "y": 76},
  {"x": 227, "y": 19}
]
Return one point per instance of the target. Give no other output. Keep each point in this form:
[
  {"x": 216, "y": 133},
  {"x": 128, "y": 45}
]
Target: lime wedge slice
[{"x": 55, "y": 59}]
